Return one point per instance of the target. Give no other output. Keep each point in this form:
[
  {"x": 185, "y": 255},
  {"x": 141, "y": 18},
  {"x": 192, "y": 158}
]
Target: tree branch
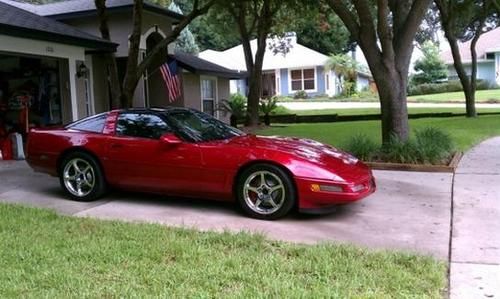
[{"x": 346, "y": 16}]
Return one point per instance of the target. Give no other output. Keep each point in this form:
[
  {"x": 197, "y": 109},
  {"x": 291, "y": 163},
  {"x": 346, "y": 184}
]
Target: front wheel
[
  {"x": 81, "y": 177},
  {"x": 265, "y": 191}
]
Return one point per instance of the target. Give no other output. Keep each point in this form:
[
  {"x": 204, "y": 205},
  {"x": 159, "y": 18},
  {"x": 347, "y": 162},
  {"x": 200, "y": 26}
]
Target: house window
[
  {"x": 303, "y": 79},
  {"x": 208, "y": 96}
]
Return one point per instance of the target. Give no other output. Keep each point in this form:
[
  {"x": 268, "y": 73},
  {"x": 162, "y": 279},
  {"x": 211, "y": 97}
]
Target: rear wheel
[
  {"x": 265, "y": 191},
  {"x": 81, "y": 177}
]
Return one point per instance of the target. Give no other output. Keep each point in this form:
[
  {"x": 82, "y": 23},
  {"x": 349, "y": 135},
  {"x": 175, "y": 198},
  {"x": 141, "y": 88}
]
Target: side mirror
[{"x": 170, "y": 139}]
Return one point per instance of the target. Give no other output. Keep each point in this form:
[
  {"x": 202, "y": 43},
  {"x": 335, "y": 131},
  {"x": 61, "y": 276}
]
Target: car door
[{"x": 137, "y": 159}]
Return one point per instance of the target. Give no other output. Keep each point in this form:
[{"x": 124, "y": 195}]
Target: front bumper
[{"x": 317, "y": 201}]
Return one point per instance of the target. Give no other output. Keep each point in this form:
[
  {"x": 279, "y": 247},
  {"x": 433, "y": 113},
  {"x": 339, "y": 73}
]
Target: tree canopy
[{"x": 430, "y": 68}]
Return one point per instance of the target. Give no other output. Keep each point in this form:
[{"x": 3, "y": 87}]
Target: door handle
[{"x": 116, "y": 145}]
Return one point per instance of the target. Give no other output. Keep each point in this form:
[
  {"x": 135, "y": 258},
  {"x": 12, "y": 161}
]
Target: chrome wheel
[
  {"x": 264, "y": 192},
  {"x": 79, "y": 177}
]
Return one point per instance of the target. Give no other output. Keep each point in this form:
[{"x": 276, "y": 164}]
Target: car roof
[{"x": 152, "y": 110}]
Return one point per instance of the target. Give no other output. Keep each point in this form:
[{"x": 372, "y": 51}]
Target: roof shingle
[{"x": 17, "y": 22}]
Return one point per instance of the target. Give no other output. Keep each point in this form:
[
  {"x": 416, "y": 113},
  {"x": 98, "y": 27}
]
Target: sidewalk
[{"x": 475, "y": 242}]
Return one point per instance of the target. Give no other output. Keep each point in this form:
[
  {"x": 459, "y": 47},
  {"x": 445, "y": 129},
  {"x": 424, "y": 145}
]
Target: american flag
[{"x": 171, "y": 79}]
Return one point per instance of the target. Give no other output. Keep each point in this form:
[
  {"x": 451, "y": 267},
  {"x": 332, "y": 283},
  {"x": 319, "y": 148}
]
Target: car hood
[{"x": 338, "y": 162}]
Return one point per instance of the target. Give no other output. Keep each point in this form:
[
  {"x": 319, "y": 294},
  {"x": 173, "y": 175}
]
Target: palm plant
[
  {"x": 236, "y": 107},
  {"x": 346, "y": 69},
  {"x": 267, "y": 107}
]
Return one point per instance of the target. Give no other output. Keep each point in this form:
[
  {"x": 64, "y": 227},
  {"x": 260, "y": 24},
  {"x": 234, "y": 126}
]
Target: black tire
[
  {"x": 93, "y": 174},
  {"x": 286, "y": 196}
]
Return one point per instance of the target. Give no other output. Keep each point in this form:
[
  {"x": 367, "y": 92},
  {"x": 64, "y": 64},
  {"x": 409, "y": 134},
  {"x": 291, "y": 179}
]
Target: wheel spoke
[
  {"x": 75, "y": 166},
  {"x": 272, "y": 203},
  {"x": 258, "y": 202},
  {"x": 276, "y": 188},
  {"x": 253, "y": 189},
  {"x": 262, "y": 179}
]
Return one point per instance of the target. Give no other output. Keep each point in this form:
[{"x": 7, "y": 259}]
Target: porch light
[{"x": 82, "y": 70}]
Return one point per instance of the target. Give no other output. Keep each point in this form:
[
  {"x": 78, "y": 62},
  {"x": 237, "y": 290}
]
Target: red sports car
[{"x": 183, "y": 152}]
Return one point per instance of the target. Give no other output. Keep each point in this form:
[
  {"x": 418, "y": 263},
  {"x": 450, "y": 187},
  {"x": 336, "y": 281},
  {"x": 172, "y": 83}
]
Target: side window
[
  {"x": 141, "y": 125},
  {"x": 93, "y": 124}
]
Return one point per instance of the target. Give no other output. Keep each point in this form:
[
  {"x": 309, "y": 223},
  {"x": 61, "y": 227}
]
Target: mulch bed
[{"x": 449, "y": 167}]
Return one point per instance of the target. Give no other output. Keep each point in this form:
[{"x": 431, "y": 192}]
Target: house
[
  {"x": 51, "y": 56},
  {"x": 488, "y": 58},
  {"x": 300, "y": 69}
]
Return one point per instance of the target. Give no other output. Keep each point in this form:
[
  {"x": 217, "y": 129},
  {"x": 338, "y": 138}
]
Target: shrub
[
  {"x": 434, "y": 145},
  {"x": 400, "y": 151},
  {"x": 267, "y": 107},
  {"x": 236, "y": 107},
  {"x": 300, "y": 95},
  {"x": 450, "y": 86},
  {"x": 362, "y": 147}
]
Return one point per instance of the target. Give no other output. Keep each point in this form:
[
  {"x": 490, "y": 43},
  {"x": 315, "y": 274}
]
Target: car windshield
[{"x": 195, "y": 126}]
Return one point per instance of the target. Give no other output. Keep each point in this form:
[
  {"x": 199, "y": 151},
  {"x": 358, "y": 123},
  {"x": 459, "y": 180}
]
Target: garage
[{"x": 45, "y": 72}]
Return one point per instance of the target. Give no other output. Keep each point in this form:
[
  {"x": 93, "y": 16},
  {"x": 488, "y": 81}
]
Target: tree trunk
[
  {"x": 393, "y": 105},
  {"x": 462, "y": 76},
  {"x": 131, "y": 75},
  {"x": 110, "y": 59}
]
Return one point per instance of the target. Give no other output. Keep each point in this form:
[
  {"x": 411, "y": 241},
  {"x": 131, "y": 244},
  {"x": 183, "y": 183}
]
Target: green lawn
[
  {"x": 363, "y": 111},
  {"x": 491, "y": 95},
  {"x": 465, "y": 132},
  {"x": 481, "y": 96},
  {"x": 44, "y": 255}
]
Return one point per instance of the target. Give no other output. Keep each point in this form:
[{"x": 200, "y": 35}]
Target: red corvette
[{"x": 183, "y": 152}]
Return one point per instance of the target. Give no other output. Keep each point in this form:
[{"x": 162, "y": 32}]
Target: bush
[
  {"x": 434, "y": 145},
  {"x": 300, "y": 95},
  {"x": 267, "y": 107},
  {"x": 400, "y": 151},
  {"x": 450, "y": 86},
  {"x": 236, "y": 107},
  {"x": 362, "y": 147}
]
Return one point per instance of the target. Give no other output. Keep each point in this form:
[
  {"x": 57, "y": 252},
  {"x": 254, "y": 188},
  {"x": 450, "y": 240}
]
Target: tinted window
[
  {"x": 195, "y": 126},
  {"x": 141, "y": 125},
  {"x": 92, "y": 124}
]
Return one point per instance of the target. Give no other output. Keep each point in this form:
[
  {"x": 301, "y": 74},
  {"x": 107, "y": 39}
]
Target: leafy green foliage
[
  {"x": 434, "y": 145},
  {"x": 301, "y": 94},
  {"x": 185, "y": 42},
  {"x": 346, "y": 69},
  {"x": 362, "y": 147},
  {"x": 445, "y": 87},
  {"x": 268, "y": 107},
  {"x": 430, "y": 68},
  {"x": 429, "y": 146},
  {"x": 236, "y": 107},
  {"x": 320, "y": 29}
]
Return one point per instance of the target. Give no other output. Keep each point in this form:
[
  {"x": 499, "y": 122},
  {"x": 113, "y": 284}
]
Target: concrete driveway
[{"x": 410, "y": 211}]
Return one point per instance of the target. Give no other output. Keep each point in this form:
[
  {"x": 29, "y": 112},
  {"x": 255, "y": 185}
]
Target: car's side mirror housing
[{"x": 170, "y": 139}]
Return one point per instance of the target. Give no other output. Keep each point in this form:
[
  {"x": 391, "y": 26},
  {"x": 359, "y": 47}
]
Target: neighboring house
[
  {"x": 301, "y": 69},
  {"x": 488, "y": 58},
  {"x": 52, "y": 54}
]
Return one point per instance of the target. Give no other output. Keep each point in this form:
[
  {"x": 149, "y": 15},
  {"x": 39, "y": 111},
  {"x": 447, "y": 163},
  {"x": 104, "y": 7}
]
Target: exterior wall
[
  {"x": 120, "y": 26},
  {"x": 284, "y": 82},
  {"x": 485, "y": 71},
  {"x": 238, "y": 86},
  {"x": 72, "y": 54},
  {"x": 286, "y": 85},
  {"x": 320, "y": 81},
  {"x": 192, "y": 91},
  {"x": 99, "y": 85},
  {"x": 362, "y": 83},
  {"x": 223, "y": 93},
  {"x": 497, "y": 68}
]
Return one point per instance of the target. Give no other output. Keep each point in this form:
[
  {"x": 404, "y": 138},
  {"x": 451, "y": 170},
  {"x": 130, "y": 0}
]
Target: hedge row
[{"x": 450, "y": 86}]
